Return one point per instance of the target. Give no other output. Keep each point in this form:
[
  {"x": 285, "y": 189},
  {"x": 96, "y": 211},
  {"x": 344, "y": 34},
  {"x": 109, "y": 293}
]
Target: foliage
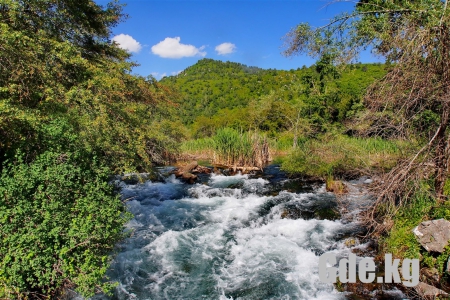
[
  {"x": 414, "y": 37},
  {"x": 401, "y": 242},
  {"x": 71, "y": 114},
  {"x": 45, "y": 74},
  {"x": 215, "y": 94},
  {"x": 59, "y": 220},
  {"x": 232, "y": 148}
]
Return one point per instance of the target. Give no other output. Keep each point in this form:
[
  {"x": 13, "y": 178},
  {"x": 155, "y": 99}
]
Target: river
[{"x": 231, "y": 237}]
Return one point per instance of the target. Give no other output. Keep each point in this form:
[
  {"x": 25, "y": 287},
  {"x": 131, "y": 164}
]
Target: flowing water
[{"x": 229, "y": 237}]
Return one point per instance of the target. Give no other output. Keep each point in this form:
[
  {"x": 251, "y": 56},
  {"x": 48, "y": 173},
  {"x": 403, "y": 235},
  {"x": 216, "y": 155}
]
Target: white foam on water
[
  {"x": 280, "y": 251},
  {"x": 224, "y": 181},
  {"x": 213, "y": 242}
]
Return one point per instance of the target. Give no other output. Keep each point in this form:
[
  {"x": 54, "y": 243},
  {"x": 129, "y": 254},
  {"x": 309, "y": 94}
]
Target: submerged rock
[
  {"x": 320, "y": 213},
  {"x": 433, "y": 235},
  {"x": 135, "y": 178}
]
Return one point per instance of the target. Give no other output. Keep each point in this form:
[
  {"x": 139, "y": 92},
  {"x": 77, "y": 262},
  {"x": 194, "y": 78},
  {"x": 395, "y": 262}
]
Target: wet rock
[
  {"x": 350, "y": 242},
  {"x": 186, "y": 169},
  {"x": 433, "y": 235},
  {"x": 134, "y": 178},
  {"x": 327, "y": 214},
  {"x": 295, "y": 213},
  {"x": 360, "y": 290},
  {"x": 369, "y": 249},
  {"x": 201, "y": 170},
  {"x": 321, "y": 213},
  {"x": 428, "y": 291},
  {"x": 189, "y": 177},
  {"x": 186, "y": 172}
]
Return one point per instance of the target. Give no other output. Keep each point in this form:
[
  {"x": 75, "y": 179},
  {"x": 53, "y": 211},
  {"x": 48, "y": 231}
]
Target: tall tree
[{"x": 414, "y": 37}]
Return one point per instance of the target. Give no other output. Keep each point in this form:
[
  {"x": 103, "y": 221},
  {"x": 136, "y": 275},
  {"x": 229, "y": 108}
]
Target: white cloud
[
  {"x": 225, "y": 48},
  {"x": 176, "y": 73},
  {"x": 127, "y": 42},
  {"x": 172, "y": 48},
  {"x": 158, "y": 75}
]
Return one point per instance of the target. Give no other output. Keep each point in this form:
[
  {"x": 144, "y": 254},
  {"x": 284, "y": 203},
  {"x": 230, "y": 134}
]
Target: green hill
[{"x": 215, "y": 94}]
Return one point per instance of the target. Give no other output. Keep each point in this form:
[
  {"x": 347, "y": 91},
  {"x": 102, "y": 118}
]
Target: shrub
[{"x": 59, "y": 221}]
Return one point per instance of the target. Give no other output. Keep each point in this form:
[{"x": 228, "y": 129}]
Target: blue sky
[{"x": 166, "y": 37}]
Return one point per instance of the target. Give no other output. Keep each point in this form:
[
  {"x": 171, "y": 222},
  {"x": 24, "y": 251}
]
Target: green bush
[{"x": 59, "y": 221}]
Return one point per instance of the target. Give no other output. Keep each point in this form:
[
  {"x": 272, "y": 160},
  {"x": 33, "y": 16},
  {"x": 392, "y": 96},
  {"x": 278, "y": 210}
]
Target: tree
[
  {"x": 71, "y": 114},
  {"x": 414, "y": 38},
  {"x": 57, "y": 60}
]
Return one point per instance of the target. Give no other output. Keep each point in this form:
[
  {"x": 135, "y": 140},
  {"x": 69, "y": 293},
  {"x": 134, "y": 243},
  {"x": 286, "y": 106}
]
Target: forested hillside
[{"x": 215, "y": 94}]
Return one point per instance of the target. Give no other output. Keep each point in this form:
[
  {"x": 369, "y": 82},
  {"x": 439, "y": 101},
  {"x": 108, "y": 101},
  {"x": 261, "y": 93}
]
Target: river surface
[{"x": 230, "y": 237}]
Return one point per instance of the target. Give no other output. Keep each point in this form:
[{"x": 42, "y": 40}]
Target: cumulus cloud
[
  {"x": 127, "y": 42},
  {"x": 225, "y": 48},
  {"x": 172, "y": 48},
  {"x": 176, "y": 72}
]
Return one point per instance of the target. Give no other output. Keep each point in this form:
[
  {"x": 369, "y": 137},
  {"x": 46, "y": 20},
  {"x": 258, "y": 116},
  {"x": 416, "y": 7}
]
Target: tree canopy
[{"x": 71, "y": 114}]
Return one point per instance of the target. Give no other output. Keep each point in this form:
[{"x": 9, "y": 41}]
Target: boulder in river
[
  {"x": 187, "y": 173},
  {"x": 428, "y": 291},
  {"x": 433, "y": 235},
  {"x": 186, "y": 169}
]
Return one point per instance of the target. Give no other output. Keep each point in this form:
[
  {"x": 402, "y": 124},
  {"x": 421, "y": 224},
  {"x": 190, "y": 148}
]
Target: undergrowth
[
  {"x": 342, "y": 155},
  {"x": 401, "y": 242}
]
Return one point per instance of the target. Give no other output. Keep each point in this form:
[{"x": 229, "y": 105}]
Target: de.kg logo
[{"x": 348, "y": 267}]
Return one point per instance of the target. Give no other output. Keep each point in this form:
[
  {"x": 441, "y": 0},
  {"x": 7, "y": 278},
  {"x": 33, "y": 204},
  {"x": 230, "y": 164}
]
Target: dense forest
[{"x": 72, "y": 114}]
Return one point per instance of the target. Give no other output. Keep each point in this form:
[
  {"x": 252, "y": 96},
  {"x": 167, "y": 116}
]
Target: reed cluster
[{"x": 231, "y": 148}]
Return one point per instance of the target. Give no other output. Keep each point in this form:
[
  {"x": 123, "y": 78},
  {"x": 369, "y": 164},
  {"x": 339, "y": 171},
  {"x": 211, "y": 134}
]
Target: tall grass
[
  {"x": 343, "y": 155},
  {"x": 232, "y": 148}
]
